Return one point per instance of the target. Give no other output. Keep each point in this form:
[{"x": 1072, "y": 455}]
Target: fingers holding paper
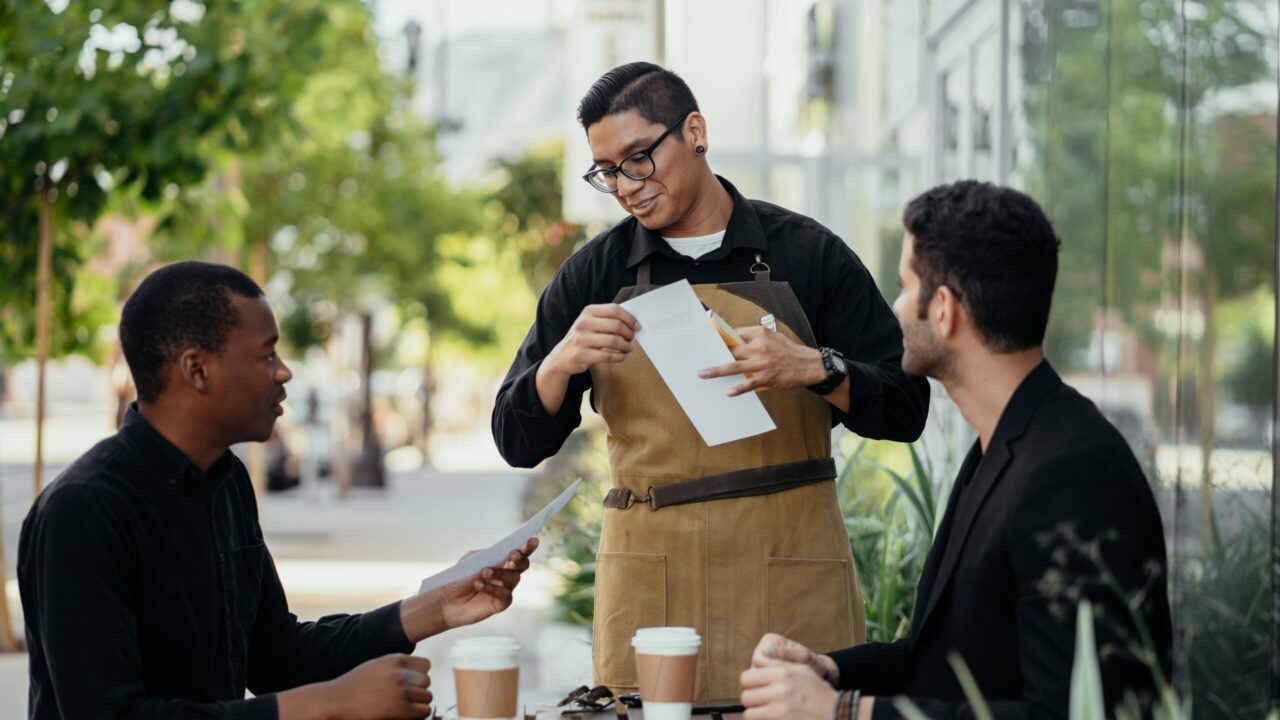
[
  {"x": 601, "y": 334},
  {"x": 486, "y": 593},
  {"x": 770, "y": 360}
]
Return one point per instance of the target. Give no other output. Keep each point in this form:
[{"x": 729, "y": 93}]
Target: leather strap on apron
[
  {"x": 759, "y": 270},
  {"x": 740, "y": 483}
]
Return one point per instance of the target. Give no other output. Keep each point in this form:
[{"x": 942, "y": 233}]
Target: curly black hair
[
  {"x": 180, "y": 306},
  {"x": 995, "y": 249},
  {"x": 657, "y": 94}
]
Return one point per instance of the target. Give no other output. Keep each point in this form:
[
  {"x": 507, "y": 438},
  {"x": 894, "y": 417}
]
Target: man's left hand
[
  {"x": 786, "y": 691},
  {"x": 487, "y": 593},
  {"x": 773, "y": 362}
]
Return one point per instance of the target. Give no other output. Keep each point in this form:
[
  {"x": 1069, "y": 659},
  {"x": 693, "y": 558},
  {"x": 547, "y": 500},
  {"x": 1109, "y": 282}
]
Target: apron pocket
[
  {"x": 631, "y": 593},
  {"x": 808, "y": 601}
]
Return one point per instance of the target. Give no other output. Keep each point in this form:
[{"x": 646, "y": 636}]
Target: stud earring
[{"x": 699, "y": 149}]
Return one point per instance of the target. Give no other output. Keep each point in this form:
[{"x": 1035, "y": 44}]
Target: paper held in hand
[
  {"x": 679, "y": 340},
  {"x": 497, "y": 553}
]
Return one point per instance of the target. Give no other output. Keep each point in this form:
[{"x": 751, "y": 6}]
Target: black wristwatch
[{"x": 837, "y": 371}]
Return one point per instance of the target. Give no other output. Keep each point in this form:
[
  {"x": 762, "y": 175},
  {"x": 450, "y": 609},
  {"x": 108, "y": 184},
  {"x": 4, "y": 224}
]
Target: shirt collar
[
  {"x": 744, "y": 230},
  {"x": 170, "y": 462},
  {"x": 1023, "y": 404}
]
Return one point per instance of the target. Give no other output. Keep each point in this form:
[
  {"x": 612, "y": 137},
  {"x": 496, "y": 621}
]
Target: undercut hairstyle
[
  {"x": 176, "y": 308},
  {"x": 654, "y": 92},
  {"x": 995, "y": 249}
]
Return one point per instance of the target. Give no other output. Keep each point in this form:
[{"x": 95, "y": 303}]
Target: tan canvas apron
[{"x": 734, "y": 568}]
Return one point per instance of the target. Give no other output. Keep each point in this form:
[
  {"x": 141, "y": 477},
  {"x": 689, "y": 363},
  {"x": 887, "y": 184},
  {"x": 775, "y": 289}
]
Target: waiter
[{"x": 741, "y": 538}]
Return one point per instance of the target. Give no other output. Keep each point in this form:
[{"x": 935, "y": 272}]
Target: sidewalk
[{"x": 375, "y": 546}]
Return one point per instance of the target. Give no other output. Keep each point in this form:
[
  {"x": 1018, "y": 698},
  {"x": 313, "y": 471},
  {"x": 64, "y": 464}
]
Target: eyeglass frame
[
  {"x": 587, "y": 700},
  {"x": 647, "y": 152}
]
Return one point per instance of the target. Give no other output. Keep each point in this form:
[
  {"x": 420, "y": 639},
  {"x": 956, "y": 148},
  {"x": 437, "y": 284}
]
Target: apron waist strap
[{"x": 736, "y": 484}]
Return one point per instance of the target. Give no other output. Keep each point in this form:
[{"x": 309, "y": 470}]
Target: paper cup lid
[
  {"x": 484, "y": 647},
  {"x": 666, "y": 640}
]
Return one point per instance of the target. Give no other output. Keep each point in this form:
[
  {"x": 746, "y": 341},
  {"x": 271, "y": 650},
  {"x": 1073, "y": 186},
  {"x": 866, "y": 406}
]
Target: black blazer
[{"x": 1057, "y": 510}]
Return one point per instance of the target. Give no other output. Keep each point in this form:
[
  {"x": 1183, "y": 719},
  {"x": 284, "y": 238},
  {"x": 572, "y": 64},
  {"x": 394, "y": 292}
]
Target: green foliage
[
  {"x": 890, "y": 512},
  {"x": 343, "y": 205},
  {"x": 526, "y": 207},
  {"x": 1225, "y": 619},
  {"x": 576, "y": 530},
  {"x": 128, "y": 94},
  {"x": 1102, "y": 95}
]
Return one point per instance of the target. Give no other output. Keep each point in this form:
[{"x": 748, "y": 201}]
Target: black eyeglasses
[
  {"x": 585, "y": 701},
  {"x": 638, "y": 165}
]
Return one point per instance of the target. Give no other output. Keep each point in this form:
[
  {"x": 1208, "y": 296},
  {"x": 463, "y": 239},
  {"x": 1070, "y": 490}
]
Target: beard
[{"x": 922, "y": 353}]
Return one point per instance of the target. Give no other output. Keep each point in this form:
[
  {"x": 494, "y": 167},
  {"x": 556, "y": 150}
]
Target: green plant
[
  {"x": 890, "y": 512},
  {"x": 1225, "y": 620},
  {"x": 575, "y": 532}
]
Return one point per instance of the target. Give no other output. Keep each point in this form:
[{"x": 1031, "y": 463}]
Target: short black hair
[
  {"x": 178, "y": 307},
  {"x": 995, "y": 249},
  {"x": 657, "y": 94}
]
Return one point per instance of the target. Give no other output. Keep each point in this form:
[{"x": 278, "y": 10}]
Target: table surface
[{"x": 632, "y": 714}]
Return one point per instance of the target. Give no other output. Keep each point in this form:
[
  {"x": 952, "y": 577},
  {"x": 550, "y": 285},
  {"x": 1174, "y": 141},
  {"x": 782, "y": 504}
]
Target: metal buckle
[
  {"x": 633, "y": 498},
  {"x": 760, "y": 265}
]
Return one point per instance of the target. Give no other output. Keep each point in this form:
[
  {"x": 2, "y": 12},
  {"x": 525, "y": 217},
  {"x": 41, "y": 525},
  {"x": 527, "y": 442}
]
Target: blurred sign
[{"x": 603, "y": 35}]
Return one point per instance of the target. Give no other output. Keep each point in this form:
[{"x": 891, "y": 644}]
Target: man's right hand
[
  {"x": 391, "y": 687},
  {"x": 774, "y": 649},
  {"x": 601, "y": 334}
]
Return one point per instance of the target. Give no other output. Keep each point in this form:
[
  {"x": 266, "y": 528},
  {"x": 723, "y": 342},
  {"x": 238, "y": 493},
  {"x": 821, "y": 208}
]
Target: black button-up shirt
[
  {"x": 148, "y": 593},
  {"x": 837, "y": 293}
]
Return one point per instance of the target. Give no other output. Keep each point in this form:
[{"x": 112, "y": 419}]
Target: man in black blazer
[{"x": 1049, "y": 507}]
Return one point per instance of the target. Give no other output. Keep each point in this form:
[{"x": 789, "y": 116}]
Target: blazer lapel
[
  {"x": 988, "y": 474},
  {"x": 1013, "y": 422}
]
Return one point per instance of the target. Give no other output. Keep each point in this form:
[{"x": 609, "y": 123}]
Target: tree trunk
[
  {"x": 340, "y": 419},
  {"x": 44, "y": 271},
  {"x": 428, "y": 394},
  {"x": 10, "y": 643},
  {"x": 1206, "y": 405},
  {"x": 369, "y": 471}
]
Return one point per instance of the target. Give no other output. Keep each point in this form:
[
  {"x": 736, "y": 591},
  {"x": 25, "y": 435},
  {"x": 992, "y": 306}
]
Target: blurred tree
[
  {"x": 1163, "y": 192},
  {"x": 527, "y": 209},
  {"x": 120, "y": 94},
  {"x": 340, "y": 210}
]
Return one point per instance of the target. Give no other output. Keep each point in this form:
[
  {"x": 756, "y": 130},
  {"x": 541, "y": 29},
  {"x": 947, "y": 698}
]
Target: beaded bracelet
[{"x": 846, "y": 705}]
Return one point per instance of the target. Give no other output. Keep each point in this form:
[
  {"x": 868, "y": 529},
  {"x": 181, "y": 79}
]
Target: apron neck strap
[{"x": 760, "y": 269}]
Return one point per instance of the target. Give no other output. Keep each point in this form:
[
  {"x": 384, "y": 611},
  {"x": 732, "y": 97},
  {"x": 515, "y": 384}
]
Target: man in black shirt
[
  {"x": 146, "y": 586},
  {"x": 693, "y": 534},
  {"x": 1049, "y": 508}
]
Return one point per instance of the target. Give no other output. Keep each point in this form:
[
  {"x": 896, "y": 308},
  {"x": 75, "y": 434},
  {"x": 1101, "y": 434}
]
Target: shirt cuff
[
  {"x": 387, "y": 630},
  {"x": 262, "y": 707},
  {"x": 536, "y": 424},
  {"x": 866, "y": 398}
]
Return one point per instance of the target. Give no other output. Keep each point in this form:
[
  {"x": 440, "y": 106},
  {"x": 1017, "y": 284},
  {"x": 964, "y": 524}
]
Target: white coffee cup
[
  {"x": 667, "y": 668},
  {"x": 486, "y": 673}
]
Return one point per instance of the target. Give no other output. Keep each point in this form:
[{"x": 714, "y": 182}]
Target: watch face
[{"x": 838, "y": 362}]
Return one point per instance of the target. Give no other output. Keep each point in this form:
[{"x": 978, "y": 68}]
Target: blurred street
[{"x": 349, "y": 555}]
